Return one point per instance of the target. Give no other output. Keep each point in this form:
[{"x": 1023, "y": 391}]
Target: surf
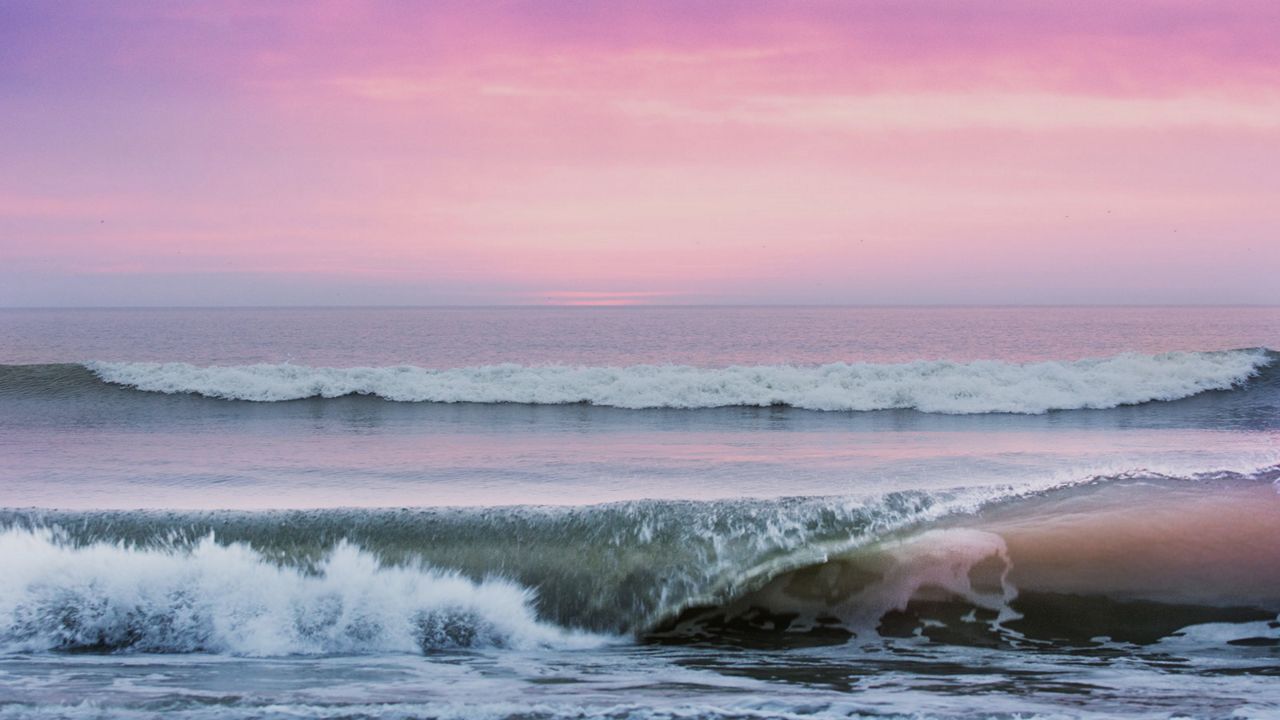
[
  {"x": 940, "y": 387},
  {"x": 1135, "y": 558}
]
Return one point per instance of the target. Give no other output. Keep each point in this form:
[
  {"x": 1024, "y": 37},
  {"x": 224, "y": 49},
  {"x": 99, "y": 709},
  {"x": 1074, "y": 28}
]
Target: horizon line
[{"x": 608, "y": 306}]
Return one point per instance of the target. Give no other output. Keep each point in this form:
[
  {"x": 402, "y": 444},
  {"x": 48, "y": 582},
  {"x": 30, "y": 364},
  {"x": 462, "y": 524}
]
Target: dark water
[{"x": 676, "y": 512}]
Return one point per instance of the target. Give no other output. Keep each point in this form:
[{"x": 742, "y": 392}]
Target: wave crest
[{"x": 987, "y": 386}]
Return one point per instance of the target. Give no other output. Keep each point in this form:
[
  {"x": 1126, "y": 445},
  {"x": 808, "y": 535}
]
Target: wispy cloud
[{"x": 1013, "y": 111}]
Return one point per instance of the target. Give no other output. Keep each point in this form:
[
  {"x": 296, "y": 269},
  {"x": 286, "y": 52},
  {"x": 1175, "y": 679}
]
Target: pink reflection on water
[{"x": 256, "y": 471}]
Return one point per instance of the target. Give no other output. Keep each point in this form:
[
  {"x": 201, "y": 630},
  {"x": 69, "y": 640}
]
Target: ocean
[{"x": 652, "y": 512}]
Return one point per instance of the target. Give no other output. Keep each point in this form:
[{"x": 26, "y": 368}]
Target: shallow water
[{"x": 1062, "y": 513}]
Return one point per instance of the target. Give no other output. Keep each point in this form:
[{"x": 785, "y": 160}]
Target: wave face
[
  {"x": 949, "y": 565},
  {"x": 928, "y": 386},
  {"x": 614, "y": 568}
]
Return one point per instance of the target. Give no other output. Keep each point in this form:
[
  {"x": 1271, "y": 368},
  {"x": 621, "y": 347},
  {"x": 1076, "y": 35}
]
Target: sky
[{"x": 682, "y": 152}]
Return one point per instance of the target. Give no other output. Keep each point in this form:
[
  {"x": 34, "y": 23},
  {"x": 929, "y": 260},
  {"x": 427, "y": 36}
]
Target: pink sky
[{"x": 671, "y": 152}]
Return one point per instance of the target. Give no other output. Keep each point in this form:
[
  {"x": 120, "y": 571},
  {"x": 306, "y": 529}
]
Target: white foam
[
  {"x": 931, "y": 386},
  {"x": 228, "y": 598}
]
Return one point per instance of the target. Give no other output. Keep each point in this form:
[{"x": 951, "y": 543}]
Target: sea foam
[
  {"x": 986, "y": 386},
  {"x": 230, "y": 599}
]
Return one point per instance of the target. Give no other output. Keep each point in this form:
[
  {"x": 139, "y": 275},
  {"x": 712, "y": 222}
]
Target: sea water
[{"x": 650, "y": 512}]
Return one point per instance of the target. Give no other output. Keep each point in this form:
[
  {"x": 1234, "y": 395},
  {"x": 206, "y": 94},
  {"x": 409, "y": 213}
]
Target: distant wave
[{"x": 987, "y": 386}]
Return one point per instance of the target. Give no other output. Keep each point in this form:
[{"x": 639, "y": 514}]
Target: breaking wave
[
  {"x": 228, "y": 598},
  {"x": 1134, "y": 558},
  {"x": 930, "y": 386}
]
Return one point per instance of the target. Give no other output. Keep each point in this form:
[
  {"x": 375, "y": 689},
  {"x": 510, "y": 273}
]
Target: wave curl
[{"x": 355, "y": 581}]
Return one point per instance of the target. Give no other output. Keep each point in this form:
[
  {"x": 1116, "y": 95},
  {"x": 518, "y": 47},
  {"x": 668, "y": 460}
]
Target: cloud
[
  {"x": 1014, "y": 111},
  {"x": 627, "y": 152}
]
